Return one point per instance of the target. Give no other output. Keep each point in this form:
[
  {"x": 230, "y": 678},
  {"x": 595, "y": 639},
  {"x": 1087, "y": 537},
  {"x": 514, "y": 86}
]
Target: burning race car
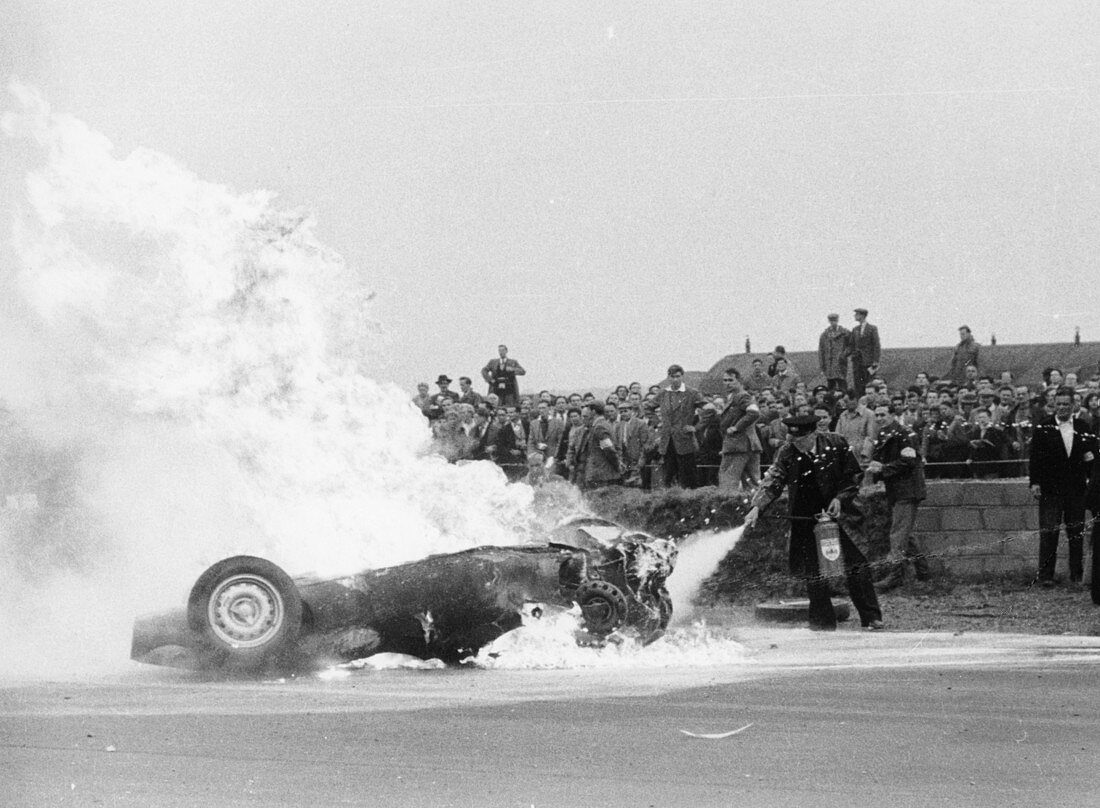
[{"x": 246, "y": 614}]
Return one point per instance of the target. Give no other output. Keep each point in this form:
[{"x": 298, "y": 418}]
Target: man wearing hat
[
  {"x": 864, "y": 350},
  {"x": 676, "y": 440},
  {"x": 821, "y": 475},
  {"x": 444, "y": 382},
  {"x": 832, "y": 354}
]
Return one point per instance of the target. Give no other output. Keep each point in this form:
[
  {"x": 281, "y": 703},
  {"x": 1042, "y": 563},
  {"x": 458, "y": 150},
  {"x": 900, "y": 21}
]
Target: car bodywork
[{"x": 244, "y": 613}]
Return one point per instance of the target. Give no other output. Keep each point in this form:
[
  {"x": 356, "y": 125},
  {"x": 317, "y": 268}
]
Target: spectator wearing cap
[
  {"x": 832, "y": 354},
  {"x": 500, "y": 374},
  {"x": 864, "y": 351},
  {"x": 820, "y": 474},
  {"x": 445, "y": 391},
  {"x": 966, "y": 353},
  {"x": 677, "y": 443}
]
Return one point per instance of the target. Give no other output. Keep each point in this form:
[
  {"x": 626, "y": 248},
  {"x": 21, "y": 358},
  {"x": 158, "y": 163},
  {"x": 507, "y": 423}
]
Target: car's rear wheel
[
  {"x": 248, "y": 612},
  {"x": 603, "y": 605}
]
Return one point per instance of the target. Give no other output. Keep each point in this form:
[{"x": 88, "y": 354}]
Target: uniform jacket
[
  {"x": 835, "y": 470},
  {"x": 740, "y": 415},
  {"x": 1051, "y": 469},
  {"x": 863, "y": 345},
  {"x": 832, "y": 352},
  {"x": 896, "y": 448},
  {"x": 678, "y": 411}
]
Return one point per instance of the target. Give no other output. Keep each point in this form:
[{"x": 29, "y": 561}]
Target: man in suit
[
  {"x": 740, "y": 441},
  {"x": 1062, "y": 453},
  {"x": 676, "y": 440},
  {"x": 500, "y": 374},
  {"x": 544, "y": 433},
  {"x": 636, "y": 436},
  {"x": 832, "y": 354},
  {"x": 864, "y": 351}
]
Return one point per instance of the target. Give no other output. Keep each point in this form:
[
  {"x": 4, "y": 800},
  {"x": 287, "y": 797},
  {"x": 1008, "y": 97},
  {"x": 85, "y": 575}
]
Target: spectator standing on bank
[
  {"x": 708, "y": 433},
  {"x": 820, "y": 474},
  {"x": 856, "y": 424},
  {"x": 864, "y": 351},
  {"x": 500, "y": 374},
  {"x": 636, "y": 436},
  {"x": 603, "y": 466},
  {"x": 832, "y": 354},
  {"x": 740, "y": 442},
  {"x": 544, "y": 433},
  {"x": 676, "y": 440},
  {"x": 467, "y": 394},
  {"x": 423, "y": 399},
  {"x": 758, "y": 379},
  {"x": 896, "y": 461},
  {"x": 1062, "y": 455},
  {"x": 966, "y": 353},
  {"x": 574, "y": 461},
  {"x": 785, "y": 379}
]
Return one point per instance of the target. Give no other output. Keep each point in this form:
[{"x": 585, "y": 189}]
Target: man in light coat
[
  {"x": 832, "y": 354},
  {"x": 740, "y": 441}
]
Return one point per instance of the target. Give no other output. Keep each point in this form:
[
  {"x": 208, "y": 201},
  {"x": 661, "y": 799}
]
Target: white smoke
[{"x": 186, "y": 369}]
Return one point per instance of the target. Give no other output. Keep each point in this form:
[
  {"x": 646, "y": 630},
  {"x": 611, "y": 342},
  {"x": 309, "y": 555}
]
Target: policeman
[{"x": 821, "y": 475}]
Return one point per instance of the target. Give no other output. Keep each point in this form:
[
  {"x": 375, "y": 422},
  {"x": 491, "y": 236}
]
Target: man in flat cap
[
  {"x": 864, "y": 350},
  {"x": 832, "y": 354},
  {"x": 821, "y": 475}
]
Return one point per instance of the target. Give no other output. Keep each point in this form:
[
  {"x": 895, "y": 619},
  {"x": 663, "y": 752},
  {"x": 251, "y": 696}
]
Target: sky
[{"x": 610, "y": 188}]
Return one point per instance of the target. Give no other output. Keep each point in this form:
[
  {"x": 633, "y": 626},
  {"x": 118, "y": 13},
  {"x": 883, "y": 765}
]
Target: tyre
[
  {"x": 653, "y": 628},
  {"x": 248, "y": 612},
  {"x": 796, "y": 611},
  {"x": 603, "y": 605}
]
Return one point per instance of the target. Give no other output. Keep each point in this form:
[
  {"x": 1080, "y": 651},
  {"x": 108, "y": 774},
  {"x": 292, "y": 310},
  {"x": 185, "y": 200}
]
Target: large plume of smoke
[{"x": 185, "y": 371}]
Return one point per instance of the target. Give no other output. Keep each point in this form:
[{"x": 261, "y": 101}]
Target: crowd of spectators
[{"x": 969, "y": 422}]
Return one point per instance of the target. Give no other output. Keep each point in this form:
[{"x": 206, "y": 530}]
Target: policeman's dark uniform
[{"x": 813, "y": 480}]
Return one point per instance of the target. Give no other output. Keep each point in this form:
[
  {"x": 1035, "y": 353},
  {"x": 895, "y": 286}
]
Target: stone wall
[{"x": 982, "y": 526}]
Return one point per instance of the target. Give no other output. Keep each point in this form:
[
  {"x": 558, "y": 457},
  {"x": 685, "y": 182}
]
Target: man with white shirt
[
  {"x": 864, "y": 350},
  {"x": 676, "y": 441},
  {"x": 1062, "y": 455}
]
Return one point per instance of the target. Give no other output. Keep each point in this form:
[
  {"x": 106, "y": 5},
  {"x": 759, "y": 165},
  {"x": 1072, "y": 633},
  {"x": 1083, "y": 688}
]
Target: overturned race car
[{"x": 245, "y": 614}]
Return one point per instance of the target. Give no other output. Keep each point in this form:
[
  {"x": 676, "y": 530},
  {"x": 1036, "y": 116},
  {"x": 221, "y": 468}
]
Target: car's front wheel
[
  {"x": 603, "y": 605},
  {"x": 248, "y": 612}
]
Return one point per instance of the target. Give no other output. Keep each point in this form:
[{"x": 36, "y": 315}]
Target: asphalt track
[{"x": 836, "y": 719}]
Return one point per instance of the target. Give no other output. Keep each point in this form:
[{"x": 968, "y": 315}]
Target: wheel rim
[{"x": 245, "y": 611}]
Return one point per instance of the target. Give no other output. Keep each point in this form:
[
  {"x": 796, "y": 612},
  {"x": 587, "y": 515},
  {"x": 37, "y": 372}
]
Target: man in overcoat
[
  {"x": 864, "y": 351},
  {"x": 832, "y": 354}
]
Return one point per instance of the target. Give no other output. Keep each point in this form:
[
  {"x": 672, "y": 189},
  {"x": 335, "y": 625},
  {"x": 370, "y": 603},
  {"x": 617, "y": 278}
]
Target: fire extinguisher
[{"x": 827, "y": 534}]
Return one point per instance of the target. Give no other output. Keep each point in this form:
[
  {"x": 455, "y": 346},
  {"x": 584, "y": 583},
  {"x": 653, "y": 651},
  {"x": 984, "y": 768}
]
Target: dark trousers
[
  {"x": 861, "y": 590},
  {"x": 836, "y": 384},
  {"x": 1095, "y": 538},
  {"x": 860, "y": 377},
  {"x": 679, "y": 468},
  {"x": 1055, "y": 511}
]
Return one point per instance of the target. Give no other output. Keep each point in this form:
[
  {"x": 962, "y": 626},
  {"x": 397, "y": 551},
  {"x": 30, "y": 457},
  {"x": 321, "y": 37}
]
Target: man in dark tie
[
  {"x": 1062, "y": 455},
  {"x": 544, "y": 433},
  {"x": 500, "y": 374},
  {"x": 864, "y": 350}
]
